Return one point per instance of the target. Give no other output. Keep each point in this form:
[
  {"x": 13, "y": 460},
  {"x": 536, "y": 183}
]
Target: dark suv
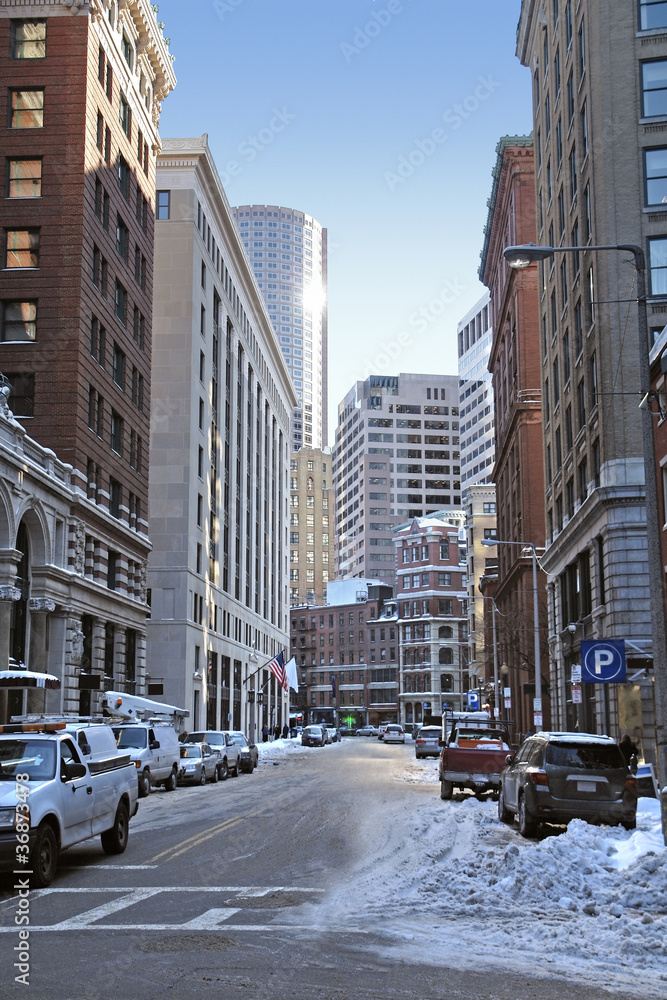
[{"x": 556, "y": 777}]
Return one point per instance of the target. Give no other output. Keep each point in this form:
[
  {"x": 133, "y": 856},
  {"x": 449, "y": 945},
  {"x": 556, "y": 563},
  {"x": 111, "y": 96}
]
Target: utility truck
[
  {"x": 148, "y": 731},
  {"x": 56, "y": 792}
]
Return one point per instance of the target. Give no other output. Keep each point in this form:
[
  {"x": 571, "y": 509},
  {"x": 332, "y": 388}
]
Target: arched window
[
  {"x": 446, "y": 682},
  {"x": 445, "y": 632},
  {"x": 445, "y": 655}
]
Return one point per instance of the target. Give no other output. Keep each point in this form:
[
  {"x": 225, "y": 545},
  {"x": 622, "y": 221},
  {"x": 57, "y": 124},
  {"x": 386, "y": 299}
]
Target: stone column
[{"x": 38, "y": 609}]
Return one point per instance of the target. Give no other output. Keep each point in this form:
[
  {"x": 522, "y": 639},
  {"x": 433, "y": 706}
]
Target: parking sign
[{"x": 603, "y": 661}]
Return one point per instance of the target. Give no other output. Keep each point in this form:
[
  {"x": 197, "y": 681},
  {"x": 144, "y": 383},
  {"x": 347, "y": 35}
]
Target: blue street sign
[
  {"x": 473, "y": 700},
  {"x": 603, "y": 661}
]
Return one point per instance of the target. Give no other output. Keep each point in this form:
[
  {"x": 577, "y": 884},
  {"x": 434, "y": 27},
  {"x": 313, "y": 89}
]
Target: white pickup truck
[{"x": 53, "y": 795}]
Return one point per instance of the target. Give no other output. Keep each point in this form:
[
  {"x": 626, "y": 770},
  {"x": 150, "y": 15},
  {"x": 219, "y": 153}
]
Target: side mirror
[
  {"x": 155, "y": 745},
  {"x": 74, "y": 770},
  {"x": 509, "y": 759},
  {"x": 85, "y": 748}
]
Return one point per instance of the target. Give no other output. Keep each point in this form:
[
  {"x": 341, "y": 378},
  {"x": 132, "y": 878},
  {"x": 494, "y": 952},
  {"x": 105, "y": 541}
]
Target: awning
[{"x": 28, "y": 679}]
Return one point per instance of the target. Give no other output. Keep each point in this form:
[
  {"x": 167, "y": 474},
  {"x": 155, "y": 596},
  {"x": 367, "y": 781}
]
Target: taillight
[
  {"x": 631, "y": 783},
  {"x": 539, "y": 778},
  {"x": 420, "y": 741}
]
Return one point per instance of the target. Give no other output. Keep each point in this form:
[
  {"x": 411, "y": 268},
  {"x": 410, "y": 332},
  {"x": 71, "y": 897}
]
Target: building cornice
[{"x": 500, "y": 181}]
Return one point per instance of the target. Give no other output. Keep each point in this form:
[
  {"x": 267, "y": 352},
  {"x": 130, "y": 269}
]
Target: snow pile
[{"x": 590, "y": 901}]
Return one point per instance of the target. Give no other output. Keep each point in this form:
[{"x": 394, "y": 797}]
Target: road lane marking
[
  {"x": 112, "y": 906},
  {"x": 211, "y": 919},
  {"x": 198, "y": 838},
  {"x": 112, "y": 868},
  {"x": 237, "y": 928}
]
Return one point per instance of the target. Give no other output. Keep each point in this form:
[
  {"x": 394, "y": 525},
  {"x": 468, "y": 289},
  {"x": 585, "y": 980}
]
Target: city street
[{"x": 273, "y": 885}]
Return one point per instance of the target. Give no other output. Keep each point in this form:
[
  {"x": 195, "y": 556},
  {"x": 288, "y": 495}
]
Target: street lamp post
[
  {"x": 537, "y": 702},
  {"x": 522, "y": 257},
  {"x": 496, "y": 685}
]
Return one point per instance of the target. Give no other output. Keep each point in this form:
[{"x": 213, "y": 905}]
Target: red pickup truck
[{"x": 473, "y": 755}]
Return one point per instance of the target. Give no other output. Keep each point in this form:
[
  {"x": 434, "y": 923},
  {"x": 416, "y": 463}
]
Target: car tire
[
  {"x": 237, "y": 770},
  {"x": 223, "y": 770},
  {"x": 446, "y": 789},
  {"x": 527, "y": 825},
  {"x": 216, "y": 777},
  {"x": 171, "y": 782},
  {"x": 202, "y": 777},
  {"x": 114, "y": 841},
  {"x": 504, "y": 815},
  {"x": 144, "y": 783},
  {"x": 44, "y": 857}
]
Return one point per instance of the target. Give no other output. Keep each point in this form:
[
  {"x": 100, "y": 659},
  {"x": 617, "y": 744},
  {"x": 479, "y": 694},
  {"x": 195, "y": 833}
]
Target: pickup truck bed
[{"x": 472, "y": 758}]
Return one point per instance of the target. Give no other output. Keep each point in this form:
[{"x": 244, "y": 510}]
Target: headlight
[{"x": 7, "y": 818}]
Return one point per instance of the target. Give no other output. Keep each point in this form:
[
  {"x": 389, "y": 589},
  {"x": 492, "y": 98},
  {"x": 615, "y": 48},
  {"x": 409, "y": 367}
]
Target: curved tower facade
[{"x": 288, "y": 253}]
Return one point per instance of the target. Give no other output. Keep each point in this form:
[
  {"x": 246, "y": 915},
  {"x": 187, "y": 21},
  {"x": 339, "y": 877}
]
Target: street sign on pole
[
  {"x": 576, "y": 694},
  {"x": 473, "y": 700},
  {"x": 575, "y": 673},
  {"x": 603, "y": 661}
]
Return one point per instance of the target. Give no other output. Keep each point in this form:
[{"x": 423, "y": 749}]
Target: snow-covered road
[{"x": 464, "y": 890}]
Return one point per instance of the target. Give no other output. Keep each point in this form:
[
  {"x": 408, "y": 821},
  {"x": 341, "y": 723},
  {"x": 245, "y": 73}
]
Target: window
[
  {"x": 119, "y": 363},
  {"x": 654, "y": 88},
  {"x": 573, "y": 173},
  {"x": 162, "y": 204},
  {"x": 124, "y": 176},
  {"x": 120, "y": 306},
  {"x": 125, "y": 116},
  {"x": 19, "y": 321},
  {"x": 122, "y": 238},
  {"x": 128, "y": 51},
  {"x": 22, "y": 393},
  {"x": 95, "y": 411},
  {"x": 116, "y": 432},
  {"x": 21, "y": 248},
  {"x": 24, "y": 179},
  {"x": 652, "y": 14},
  {"x": 28, "y": 39},
  {"x": 137, "y": 389},
  {"x": 98, "y": 336},
  {"x": 136, "y": 446},
  {"x": 570, "y": 99},
  {"x": 655, "y": 175},
  {"x": 27, "y": 109},
  {"x": 657, "y": 249}
]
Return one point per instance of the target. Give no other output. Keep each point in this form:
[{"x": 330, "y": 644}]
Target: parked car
[
  {"x": 333, "y": 734},
  {"x": 198, "y": 764},
  {"x": 314, "y": 736},
  {"x": 248, "y": 752},
  {"x": 153, "y": 749},
  {"x": 427, "y": 742},
  {"x": 346, "y": 731},
  {"x": 394, "y": 734},
  {"x": 224, "y": 747},
  {"x": 556, "y": 777},
  {"x": 367, "y": 731}
]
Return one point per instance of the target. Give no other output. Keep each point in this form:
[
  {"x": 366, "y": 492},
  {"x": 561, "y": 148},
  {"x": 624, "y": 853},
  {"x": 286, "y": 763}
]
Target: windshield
[
  {"x": 239, "y": 739},
  {"x": 36, "y": 758},
  {"x": 586, "y": 755},
  {"x": 132, "y": 737},
  {"x": 191, "y": 751}
]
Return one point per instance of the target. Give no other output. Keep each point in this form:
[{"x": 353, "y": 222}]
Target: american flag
[{"x": 277, "y": 668}]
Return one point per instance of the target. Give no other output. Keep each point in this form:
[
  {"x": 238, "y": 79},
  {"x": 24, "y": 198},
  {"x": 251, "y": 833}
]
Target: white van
[{"x": 155, "y": 751}]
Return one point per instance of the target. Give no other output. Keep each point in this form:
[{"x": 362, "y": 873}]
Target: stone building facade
[{"x": 82, "y": 86}]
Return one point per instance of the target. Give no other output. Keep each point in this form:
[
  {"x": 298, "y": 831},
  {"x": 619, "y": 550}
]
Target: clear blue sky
[{"x": 380, "y": 119}]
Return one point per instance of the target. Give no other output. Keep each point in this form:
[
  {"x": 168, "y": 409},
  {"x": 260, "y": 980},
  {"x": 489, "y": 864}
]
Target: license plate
[{"x": 586, "y": 786}]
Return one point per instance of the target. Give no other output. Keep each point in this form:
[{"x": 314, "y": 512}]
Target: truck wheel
[
  {"x": 144, "y": 783},
  {"x": 223, "y": 770},
  {"x": 527, "y": 825},
  {"x": 44, "y": 859},
  {"x": 114, "y": 841},
  {"x": 171, "y": 782},
  {"x": 446, "y": 789},
  {"x": 504, "y": 815}
]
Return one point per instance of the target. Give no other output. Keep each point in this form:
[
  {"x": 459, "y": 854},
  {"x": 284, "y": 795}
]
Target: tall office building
[
  {"x": 288, "y": 253},
  {"x": 311, "y": 526},
  {"x": 82, "y": 87},
  {"x": 219, "y": 489},
  {"x": 598, "y": 78},
  {"x": 396, "y": 456},
  {"x": 475, "y": 335}
]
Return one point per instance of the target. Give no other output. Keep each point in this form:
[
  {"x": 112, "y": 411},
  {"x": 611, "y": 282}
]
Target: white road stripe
[
  {"x": 113, "y": 868},
  {"x": 241, "y": 928},
  {"x": 211, "y": 919},
  {"x": 98, "y": 912}
]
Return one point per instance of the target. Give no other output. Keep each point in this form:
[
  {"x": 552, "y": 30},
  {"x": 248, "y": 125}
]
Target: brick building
[
  {"x": 431, "y": 616},
  {"x": 81, "y": 93},
  {"x": 518, "y": 472},
  {"x": 312, "y": 529},
  {"x": 346, "y": 656}
]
